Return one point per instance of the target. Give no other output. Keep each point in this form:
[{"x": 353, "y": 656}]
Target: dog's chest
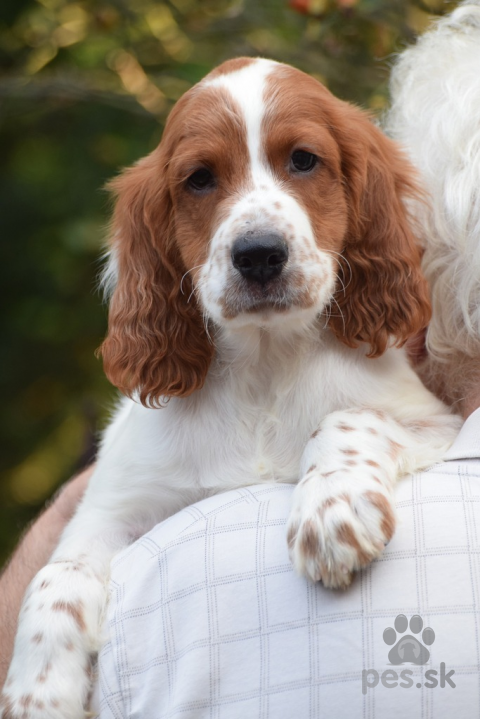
[{"x": 258, "y": 434}]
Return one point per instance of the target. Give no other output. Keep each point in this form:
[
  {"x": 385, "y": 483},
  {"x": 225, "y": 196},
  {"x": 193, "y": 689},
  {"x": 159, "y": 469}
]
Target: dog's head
[{"x": 268, "y": 202}]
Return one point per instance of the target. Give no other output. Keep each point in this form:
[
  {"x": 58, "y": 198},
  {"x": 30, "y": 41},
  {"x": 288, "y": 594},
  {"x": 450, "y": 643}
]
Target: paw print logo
[{"x": 408, "y": 648}]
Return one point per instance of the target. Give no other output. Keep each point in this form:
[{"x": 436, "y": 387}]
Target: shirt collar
[{"x": 467, "y": 444}]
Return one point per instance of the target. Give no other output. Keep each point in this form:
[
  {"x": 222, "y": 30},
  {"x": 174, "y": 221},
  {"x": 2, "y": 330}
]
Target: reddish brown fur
[
  {"x": 238, "y": 63},
  {"x": 382, "y": 504},
  {"x": 74, "y": 610},
  {"x": 346, "y": 535},
  {"x": 326, "y": 505},
  {"x": 309, "y": 540},
  {"x": 354, "y": 199},
  {"x": 157, "y": 345}
]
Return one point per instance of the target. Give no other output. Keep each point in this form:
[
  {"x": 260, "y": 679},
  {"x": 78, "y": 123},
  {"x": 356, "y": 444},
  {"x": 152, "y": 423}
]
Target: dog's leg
[
  {"x": 60, "y": 622},
  {"x": 343, "y": 508}
]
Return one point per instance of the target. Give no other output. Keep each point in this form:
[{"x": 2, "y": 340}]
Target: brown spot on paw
[
  {"x": 372, "y": 463},
  {"x": 44, "y": 584},
  {"x": 312, "y": 468},
  {"x": 346, "y": 498},
  {"x": 309, "y": 540},
  {"x": 26, "y": 701},
  {"x": 351, "y": 463},
  {"x": 384, "y": 507},
  {"x": 291, "y": 536},
  {"x": 372, "y": 430},
  {"x": 351, "y": 452},
  {"x": 37, "y": 638},
  {"x": 75, "y": 611},
  {"x": 395, "y": 448},
  {"x": 326, "y": 505},
  {"x": 345, "y": 427},
  {"x": 346, "y": 535},
  {"x": 315, "y": 434},
  {"x": 6, "y": 707}
]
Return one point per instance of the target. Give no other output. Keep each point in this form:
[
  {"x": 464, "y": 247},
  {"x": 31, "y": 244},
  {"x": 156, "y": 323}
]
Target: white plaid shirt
[{"x": 207, "y": 618}]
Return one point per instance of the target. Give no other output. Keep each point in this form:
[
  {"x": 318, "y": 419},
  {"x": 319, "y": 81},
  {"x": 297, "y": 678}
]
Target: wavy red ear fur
[
  {"x": 385, "y": 294},
  {"x": 156, "y": 346}
]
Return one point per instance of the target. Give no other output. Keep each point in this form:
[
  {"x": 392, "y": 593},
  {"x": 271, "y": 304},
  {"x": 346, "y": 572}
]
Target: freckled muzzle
[{"x": 259, "y": 257}]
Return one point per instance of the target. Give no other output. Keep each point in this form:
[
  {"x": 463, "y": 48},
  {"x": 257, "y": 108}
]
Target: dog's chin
[
  {"x": 285, "y": 304},
  {"x": 282, "y": 313}
]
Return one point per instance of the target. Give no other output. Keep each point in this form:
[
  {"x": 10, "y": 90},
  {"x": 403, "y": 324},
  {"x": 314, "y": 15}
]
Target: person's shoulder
[{"x": 238, "y": 509}]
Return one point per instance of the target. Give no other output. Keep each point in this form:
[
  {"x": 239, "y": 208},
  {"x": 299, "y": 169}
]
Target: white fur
[
  {"x": 263, "y": 204},
  {"x": 274, "y": 382},
  {"x": 435, "y": 114}
]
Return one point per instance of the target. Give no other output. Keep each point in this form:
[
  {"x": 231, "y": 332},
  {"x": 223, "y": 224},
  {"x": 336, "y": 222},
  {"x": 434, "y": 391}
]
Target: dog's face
[
  {"x": 267, "y": 202},
  {"x": 259, "y": 204}
]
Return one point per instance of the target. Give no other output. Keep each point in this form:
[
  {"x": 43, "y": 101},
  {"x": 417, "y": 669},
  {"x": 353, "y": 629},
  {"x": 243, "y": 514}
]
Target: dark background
[{"x": 85, "y": 88}]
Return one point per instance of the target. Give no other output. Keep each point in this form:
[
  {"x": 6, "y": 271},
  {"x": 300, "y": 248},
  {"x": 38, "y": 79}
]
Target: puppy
[{"x": 263, "y": 278}]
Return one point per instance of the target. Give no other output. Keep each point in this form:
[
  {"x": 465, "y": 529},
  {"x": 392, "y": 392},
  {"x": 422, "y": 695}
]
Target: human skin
[{"x": 32, "y": 553}]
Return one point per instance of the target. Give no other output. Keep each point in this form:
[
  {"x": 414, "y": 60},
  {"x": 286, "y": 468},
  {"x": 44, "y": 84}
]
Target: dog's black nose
[{"x": 259, "y": 258}]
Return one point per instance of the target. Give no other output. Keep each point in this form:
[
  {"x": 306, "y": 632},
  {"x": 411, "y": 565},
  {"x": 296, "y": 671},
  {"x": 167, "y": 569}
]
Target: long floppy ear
[
  {"x": 157, "y": 346},
  {"x": 382, "y": 294}
]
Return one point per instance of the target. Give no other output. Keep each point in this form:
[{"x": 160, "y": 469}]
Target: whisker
[
  {"x": 339, "y": 254},
  {"x": 186, "y": 273},
  {"x": 341, "y": 314}
]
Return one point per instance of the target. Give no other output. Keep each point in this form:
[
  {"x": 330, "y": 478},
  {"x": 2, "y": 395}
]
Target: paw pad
[{"x": 408, "y": 648}]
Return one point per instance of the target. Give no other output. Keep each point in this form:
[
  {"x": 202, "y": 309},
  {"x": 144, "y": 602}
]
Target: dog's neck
[{"x": 252, "y": 345}]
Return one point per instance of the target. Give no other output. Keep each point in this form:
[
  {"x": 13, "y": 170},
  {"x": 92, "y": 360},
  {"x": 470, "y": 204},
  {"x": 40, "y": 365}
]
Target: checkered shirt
[{"x": 208, "y": 620}]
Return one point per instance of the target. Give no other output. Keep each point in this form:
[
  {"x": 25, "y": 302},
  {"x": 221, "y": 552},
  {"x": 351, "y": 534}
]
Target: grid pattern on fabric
[{"x": 207, "y": 618}]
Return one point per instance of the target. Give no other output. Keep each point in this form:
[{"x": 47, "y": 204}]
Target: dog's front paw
[
  {"x": 50, "y": 674},
  {"x": 338, "y": 525},
  {"x": 55, "y": 689},
  {"x": 52, "y": 695}
]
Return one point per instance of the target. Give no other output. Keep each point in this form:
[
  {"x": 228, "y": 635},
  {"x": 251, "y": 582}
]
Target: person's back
[{"x": 207, "y": 618}]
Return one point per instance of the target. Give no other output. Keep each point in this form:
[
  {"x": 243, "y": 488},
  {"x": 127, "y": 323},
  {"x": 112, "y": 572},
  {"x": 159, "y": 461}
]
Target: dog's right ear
[{"x": 157, "y": 346}]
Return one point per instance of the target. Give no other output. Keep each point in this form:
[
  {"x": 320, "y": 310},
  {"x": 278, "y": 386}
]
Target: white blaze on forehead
[
  {"x": 247, "y": 87},
  {"x": 262, "y": 205}
]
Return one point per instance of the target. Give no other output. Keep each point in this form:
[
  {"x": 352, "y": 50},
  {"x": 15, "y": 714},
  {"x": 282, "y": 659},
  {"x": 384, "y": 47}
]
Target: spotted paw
[
  {"x": 338, "y": 525},
  {"x": 50, "y": 673},
  {"x": 406, "y": 647}
]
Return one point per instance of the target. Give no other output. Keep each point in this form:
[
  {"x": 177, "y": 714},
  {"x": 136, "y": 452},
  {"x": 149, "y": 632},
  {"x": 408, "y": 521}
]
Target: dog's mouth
[{"x": 277, "y": 296}]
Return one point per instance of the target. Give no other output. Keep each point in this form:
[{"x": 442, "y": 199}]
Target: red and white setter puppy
[{"x": 263, "y": 277}]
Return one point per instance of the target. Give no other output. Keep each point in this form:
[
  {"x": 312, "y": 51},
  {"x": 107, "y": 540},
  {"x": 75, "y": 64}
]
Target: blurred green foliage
[{"x": 85, "y": 87}]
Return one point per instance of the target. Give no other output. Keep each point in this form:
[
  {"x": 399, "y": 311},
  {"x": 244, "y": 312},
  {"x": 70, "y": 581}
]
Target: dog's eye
[
  {"x": 303, "y": 161},
  {"x": 201, "y": 180}
]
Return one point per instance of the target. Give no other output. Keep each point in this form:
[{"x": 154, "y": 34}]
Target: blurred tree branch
[{"x": 65, "y": 88}]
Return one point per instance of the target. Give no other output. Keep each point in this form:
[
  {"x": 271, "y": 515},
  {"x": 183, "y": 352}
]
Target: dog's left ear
[{"x": 382, "y": 293}]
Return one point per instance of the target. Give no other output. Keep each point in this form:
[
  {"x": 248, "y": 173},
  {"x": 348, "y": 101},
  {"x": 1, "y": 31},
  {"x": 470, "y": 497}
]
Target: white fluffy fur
[
  {"x": 283, "y": 402},
  {"x": 435, "y": 113}
]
